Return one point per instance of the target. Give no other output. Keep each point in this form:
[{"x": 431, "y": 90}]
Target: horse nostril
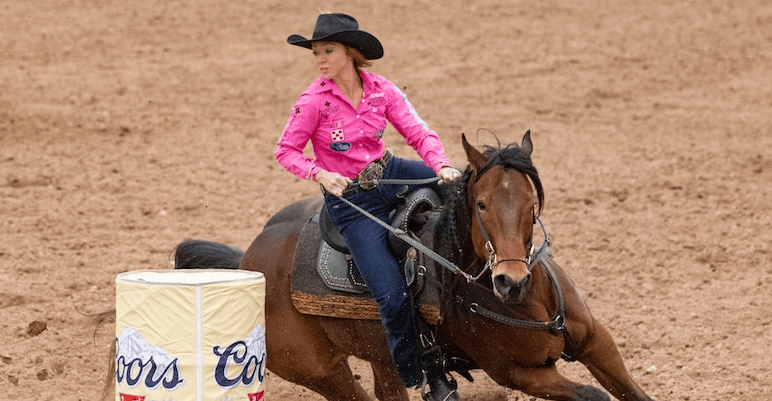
[
  {"x": 525, "y": 281},
  {"x": 503, "y": 284}
]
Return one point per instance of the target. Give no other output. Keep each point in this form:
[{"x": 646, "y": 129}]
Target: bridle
[
  {"x": 493, "y": 259},
  {"x": 557, "y": 323}
]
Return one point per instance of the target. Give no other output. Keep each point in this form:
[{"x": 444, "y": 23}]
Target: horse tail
[{"x": 199, "y": 254}]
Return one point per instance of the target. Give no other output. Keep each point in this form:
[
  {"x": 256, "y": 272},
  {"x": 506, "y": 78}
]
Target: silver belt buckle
[{"x": 373, "y": 171}]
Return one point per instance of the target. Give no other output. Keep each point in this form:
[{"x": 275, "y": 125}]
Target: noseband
[
  {"x": 493, "y": 259},
  {"x": 477, "y": 293}
]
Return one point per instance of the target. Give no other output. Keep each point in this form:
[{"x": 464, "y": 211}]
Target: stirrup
[
  {"x": 452, "y": 395},
  {"x": 434, "y": 366}
]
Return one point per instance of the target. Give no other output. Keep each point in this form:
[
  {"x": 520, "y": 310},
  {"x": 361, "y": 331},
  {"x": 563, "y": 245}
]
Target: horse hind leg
[
  {"x": 339, "y": 384},
  {"x": 388, "y": 387}
]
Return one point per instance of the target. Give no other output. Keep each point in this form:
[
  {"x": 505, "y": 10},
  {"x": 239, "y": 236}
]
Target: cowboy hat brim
[{"x": 366, "y": 43}]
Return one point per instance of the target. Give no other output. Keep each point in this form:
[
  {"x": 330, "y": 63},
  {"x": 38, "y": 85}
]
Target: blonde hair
[{"x": 360, "y": 61}]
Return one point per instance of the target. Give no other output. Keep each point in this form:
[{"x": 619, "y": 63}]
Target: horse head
[{"x": 503, "y": 197}]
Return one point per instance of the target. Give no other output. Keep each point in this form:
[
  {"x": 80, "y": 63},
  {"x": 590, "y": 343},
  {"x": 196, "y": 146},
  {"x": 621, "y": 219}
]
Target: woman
[{"x": 344, "y": 114}]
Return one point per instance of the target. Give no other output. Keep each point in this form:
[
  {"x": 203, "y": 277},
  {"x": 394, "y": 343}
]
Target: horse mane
[{"x": 454, "y": 241}]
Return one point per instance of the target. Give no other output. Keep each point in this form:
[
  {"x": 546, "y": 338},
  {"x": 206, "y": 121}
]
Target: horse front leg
[
  {"x": 601, "y": 357},
  {"x": 546, "y": 382}
]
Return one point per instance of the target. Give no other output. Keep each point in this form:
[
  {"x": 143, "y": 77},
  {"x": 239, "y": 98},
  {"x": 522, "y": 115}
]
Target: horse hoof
[{"x": 590, "y": 393}]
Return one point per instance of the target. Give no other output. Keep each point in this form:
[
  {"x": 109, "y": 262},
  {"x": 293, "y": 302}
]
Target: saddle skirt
[{"x": 326, "y": 282}]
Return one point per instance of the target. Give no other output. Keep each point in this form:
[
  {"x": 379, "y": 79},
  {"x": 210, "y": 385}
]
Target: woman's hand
[
  {"x": 448, "y": 174},
  {"x": 333, "y": 183}
]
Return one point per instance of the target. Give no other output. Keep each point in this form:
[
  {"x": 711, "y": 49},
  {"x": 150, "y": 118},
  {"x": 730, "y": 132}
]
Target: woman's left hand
[{"x": 448, "y": 174}]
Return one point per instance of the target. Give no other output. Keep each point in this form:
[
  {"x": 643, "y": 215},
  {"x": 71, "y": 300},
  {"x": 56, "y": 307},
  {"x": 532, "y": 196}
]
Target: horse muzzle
[{"x": 509, "y": 291}]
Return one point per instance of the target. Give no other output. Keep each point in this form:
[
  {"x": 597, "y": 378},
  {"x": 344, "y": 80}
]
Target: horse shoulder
[{"x": 579, "y": 319}]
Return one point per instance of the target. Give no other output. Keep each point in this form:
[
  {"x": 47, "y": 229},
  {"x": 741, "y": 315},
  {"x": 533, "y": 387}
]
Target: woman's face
[{"x": 331, "y": 59}]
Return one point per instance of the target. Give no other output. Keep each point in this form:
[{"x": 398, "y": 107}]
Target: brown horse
[{"x": 510, "y": 311}]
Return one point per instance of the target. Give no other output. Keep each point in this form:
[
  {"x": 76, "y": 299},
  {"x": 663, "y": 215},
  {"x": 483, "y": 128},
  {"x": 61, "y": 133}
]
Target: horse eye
[{"x": 480, "y": 206}]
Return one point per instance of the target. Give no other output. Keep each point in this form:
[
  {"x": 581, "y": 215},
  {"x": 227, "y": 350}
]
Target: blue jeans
[{"x": 367, "y": 242}]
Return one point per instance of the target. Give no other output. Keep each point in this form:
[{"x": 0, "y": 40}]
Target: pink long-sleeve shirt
[{"x": 344, "y": 139}]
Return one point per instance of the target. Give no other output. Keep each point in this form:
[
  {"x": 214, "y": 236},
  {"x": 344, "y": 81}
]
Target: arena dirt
[{"x": 126, "y": 127}]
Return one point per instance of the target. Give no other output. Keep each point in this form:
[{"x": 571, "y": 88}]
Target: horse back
[
  {"x": 273, "y": 250},
  {"x": 294, "y": 216}
]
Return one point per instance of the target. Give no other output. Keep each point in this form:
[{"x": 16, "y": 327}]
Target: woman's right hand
[{"x": 334, "y": 183}]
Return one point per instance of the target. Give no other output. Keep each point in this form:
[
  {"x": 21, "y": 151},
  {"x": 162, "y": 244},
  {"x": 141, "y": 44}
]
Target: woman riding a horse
[{"x": 344, "y": 114}]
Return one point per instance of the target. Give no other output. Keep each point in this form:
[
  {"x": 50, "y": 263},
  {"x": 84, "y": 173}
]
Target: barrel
[{"x": 190, "y": 335}]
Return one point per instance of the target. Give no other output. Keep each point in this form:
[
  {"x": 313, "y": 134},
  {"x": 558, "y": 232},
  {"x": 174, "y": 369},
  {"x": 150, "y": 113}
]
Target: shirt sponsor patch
[
  {"x": 379, "y": 101},
  {"x": 337, "y": 135},
  {"x": 330, "y": 109},
  {"x": 340, "y": 146}
]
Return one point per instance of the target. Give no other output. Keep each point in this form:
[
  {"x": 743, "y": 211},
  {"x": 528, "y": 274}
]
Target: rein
[
  {"x": 557, "y": 323},
  {"x": 404, "y": 236},
  {"x": 401, "y": 234}
]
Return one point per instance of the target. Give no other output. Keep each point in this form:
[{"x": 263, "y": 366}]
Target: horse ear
[
  {"x": 526, "y": 144},
  {"x": 476, "y": 158}
]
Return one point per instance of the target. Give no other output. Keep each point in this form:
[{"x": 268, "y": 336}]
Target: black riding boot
[{"x": 442, "y": 387}]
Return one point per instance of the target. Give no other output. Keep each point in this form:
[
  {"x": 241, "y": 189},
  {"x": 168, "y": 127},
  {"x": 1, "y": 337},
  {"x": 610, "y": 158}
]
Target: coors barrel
[{"x": 190, "y": 335}]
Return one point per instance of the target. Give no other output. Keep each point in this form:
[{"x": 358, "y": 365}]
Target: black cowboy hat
[{"x": 341, "y": 28}]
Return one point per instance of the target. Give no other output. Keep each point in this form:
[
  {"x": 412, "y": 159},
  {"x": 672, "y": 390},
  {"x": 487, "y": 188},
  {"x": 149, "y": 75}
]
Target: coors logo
[
  {"x": 242, "y": 361},
  {"x": 136, "y": 362}
]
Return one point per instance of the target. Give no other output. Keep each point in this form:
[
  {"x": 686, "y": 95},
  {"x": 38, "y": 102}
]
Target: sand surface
[{"x": 128, "y": 126}]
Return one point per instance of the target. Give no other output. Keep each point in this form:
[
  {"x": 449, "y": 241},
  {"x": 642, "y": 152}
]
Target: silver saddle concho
[{"x": 336, "y": 266}]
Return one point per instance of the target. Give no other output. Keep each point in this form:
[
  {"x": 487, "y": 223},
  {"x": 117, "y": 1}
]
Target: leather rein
[{"x": 556, "y": 324}]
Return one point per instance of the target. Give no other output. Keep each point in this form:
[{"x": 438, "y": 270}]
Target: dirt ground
[{"x": 128, "y": 126}]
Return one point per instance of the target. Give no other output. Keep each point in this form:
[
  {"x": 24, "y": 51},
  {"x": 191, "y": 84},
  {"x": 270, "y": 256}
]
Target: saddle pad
[{"x": 311, "y": 295}]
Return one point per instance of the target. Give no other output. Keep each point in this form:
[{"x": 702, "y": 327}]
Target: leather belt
[
  {"x": 371, "y": 172},
  {"x": 374, "y": 170}
]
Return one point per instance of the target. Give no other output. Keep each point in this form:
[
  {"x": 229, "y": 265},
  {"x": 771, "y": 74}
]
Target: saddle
[{"x": 326, "y": 282}]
